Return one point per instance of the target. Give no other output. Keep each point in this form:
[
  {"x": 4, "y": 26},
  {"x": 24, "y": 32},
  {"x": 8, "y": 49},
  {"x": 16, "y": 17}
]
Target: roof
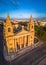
[
  {"x": 17, "y": 30},
  {"x": 20, "y": 30}
]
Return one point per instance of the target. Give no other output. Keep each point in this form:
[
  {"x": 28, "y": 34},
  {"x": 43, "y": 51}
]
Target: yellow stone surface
[{"x": 21, "y": 39}]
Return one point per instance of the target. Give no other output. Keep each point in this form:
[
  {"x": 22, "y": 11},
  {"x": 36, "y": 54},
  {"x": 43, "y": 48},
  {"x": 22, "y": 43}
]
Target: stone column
[
  {"x": 20, "y": 42},
  {"x": 25, "y": 40},
  {"x": 22, "y": 39},
  {"x": 15, "y": 44},
  {"x": 29, "y": 43},
  {"x": 28, "y": 40}
]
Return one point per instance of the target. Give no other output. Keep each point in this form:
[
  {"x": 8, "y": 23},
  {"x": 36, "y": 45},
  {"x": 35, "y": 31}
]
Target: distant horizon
[
  {"x": 22, "y": 17},
  {"x": 37, "y": 18}
]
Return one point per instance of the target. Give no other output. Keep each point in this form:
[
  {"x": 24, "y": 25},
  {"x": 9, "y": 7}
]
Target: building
[
  {"x": 16, "y": 39},
  {"x": 14, "y": 23},
  {"x": 43, "y": 23},
  {"x": 40, "y": 23}
]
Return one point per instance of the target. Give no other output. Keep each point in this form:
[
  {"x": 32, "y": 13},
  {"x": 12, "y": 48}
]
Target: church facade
[{"x": 18, "y": 39}]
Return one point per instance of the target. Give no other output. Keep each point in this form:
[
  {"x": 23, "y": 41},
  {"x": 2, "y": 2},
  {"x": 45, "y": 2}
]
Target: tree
[{"x": 40, "y": 33}]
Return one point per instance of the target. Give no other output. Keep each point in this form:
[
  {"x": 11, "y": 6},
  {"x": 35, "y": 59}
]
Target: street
[{"x": 31, "y": 57}]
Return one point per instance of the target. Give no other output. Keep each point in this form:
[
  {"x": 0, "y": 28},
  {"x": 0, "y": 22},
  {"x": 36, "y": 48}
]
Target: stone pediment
[{"x": 22, "y": 32}]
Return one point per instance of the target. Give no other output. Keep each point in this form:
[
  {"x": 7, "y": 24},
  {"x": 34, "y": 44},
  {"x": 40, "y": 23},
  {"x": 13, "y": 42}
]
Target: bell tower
[
  {"x": 8, "y": 29},
  {"x": 31, "y": 24},
  {"x": 9, "y": 35},
  {"x": 31, "y": 29}
]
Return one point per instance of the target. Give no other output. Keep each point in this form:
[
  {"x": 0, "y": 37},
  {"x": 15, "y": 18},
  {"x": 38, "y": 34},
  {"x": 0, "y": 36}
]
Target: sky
[{"x": 23, "y": 8}]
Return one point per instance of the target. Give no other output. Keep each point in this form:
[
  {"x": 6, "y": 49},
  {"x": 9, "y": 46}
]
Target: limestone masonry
[{"x": 19, "y": 37}]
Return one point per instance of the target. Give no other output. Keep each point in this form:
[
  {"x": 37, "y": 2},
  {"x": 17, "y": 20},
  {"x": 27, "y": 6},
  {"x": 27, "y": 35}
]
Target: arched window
[
  {"x": 9, "y": 29},
  {"x": 32, "y": 26}
]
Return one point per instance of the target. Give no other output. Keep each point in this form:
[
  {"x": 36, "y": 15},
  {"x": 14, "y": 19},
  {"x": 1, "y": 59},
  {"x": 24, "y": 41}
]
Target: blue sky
[{"x": 23, "y": 8}]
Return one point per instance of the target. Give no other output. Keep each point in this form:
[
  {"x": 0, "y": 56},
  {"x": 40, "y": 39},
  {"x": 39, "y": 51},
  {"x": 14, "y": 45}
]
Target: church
[{"x": 18, "y": 38}]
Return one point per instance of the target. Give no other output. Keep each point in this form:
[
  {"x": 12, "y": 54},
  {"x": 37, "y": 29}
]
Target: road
[{"x": 32, "y": 57}]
